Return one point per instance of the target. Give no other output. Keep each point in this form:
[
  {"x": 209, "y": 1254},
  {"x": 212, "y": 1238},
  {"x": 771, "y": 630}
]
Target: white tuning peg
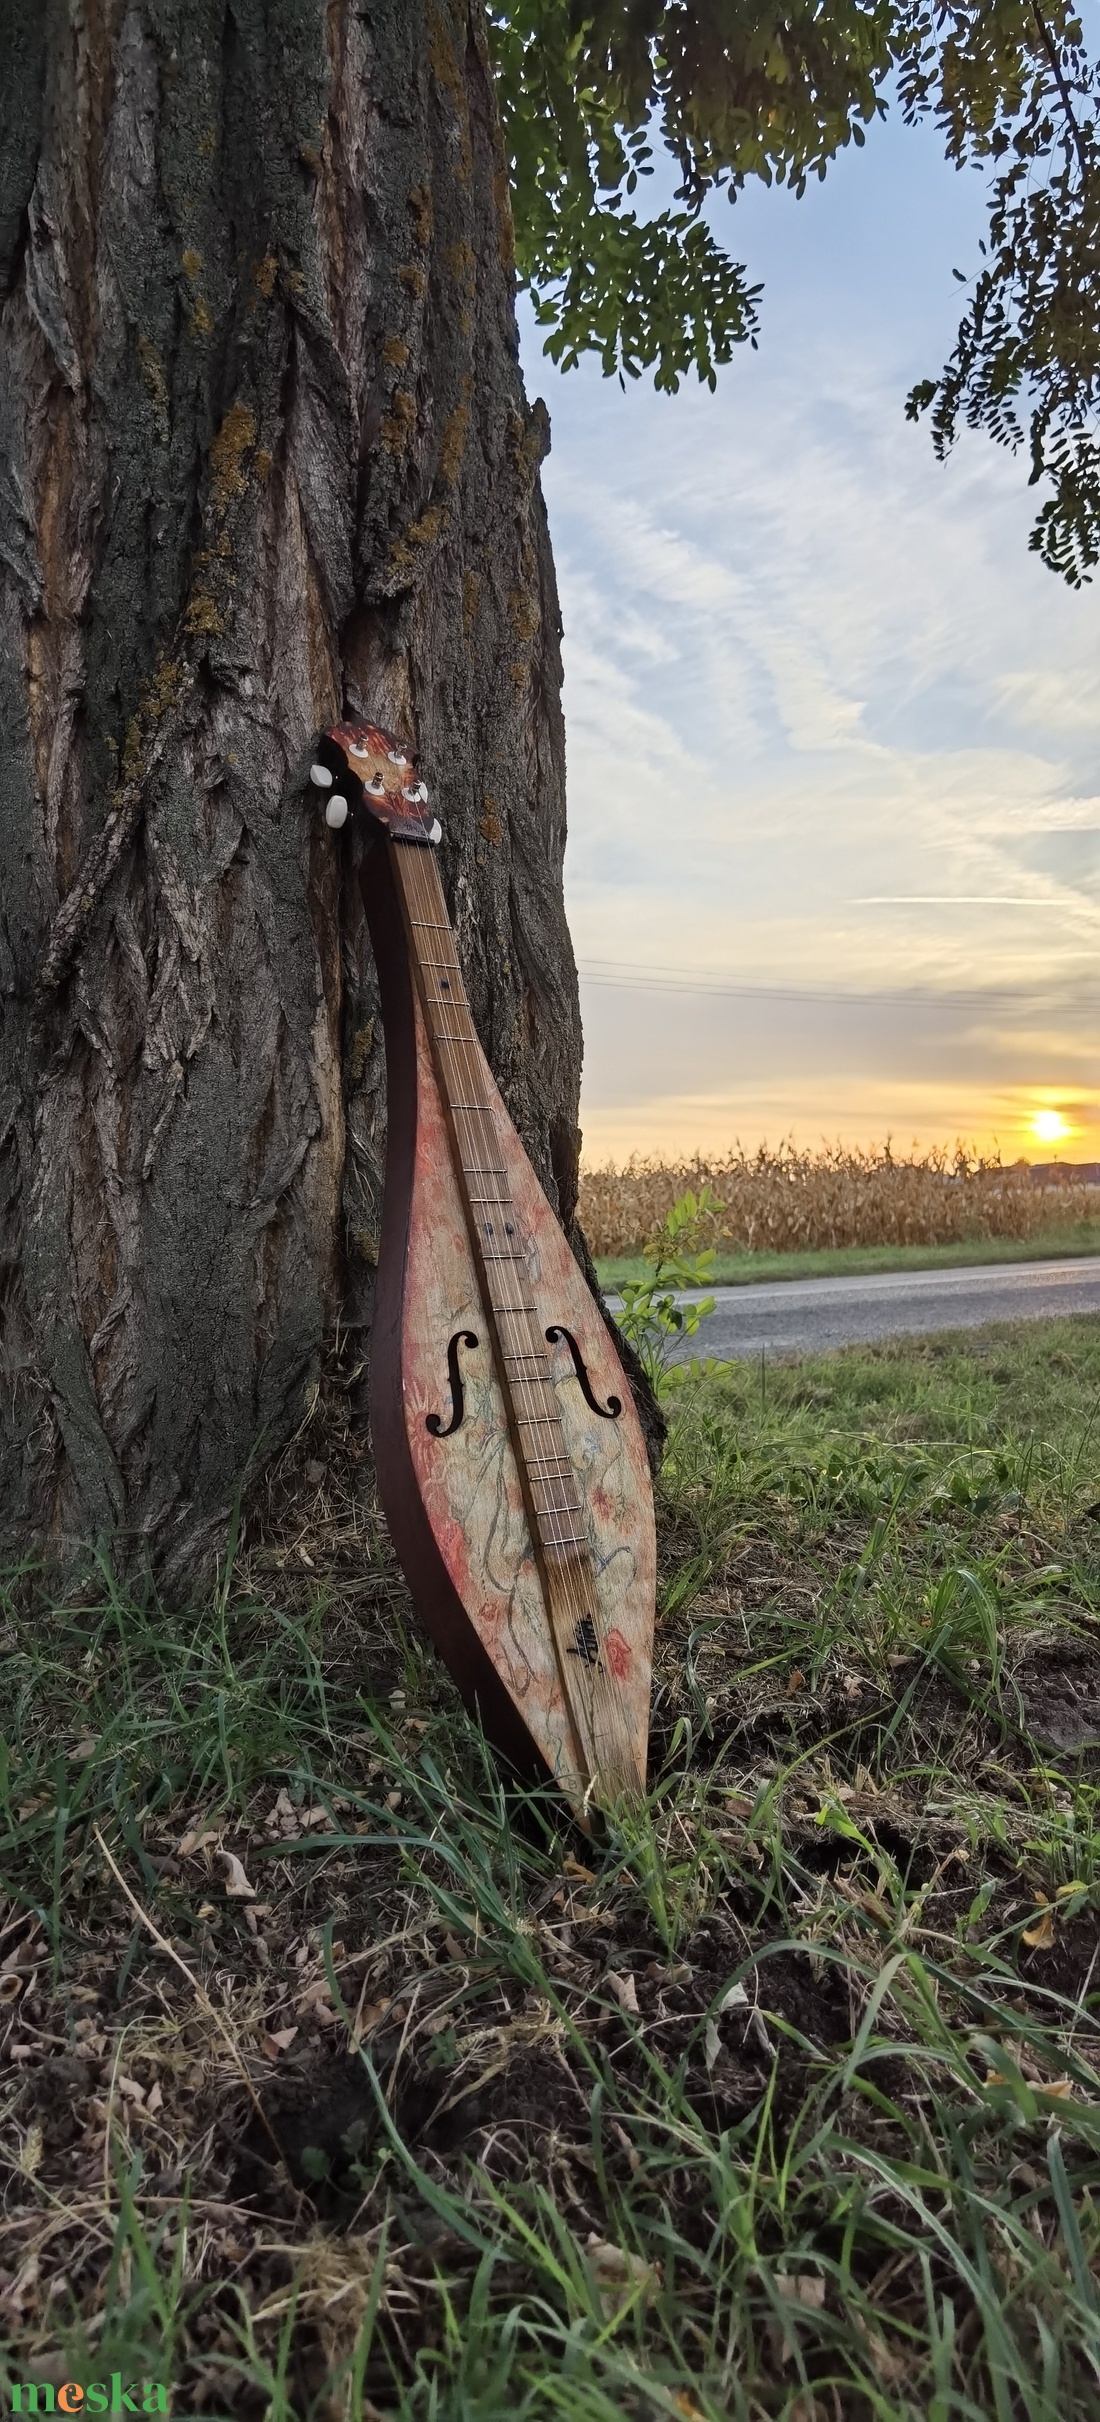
[
  {"x": 336, "y": 811},
  {"x": 435, "y": 830},
  {"x": 320, "y": 777}
]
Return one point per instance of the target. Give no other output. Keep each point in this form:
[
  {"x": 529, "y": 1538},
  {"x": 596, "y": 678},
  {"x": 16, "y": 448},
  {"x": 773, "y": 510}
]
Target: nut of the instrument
[
  {"x": 336, "y": 811},
  {"x": 320, "y": 777}
]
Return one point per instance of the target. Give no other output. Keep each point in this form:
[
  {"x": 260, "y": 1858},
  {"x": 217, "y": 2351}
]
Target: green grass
[
  {"x": 784, "y": 2101},
  {"x": 848, "y": 1261}
]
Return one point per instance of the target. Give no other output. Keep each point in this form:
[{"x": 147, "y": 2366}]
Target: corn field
[{"x": 789, "y": 1201}]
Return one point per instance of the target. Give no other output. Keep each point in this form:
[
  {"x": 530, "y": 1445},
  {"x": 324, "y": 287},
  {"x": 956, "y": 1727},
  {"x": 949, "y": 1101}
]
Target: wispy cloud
[{"x": 830, "y": 727}]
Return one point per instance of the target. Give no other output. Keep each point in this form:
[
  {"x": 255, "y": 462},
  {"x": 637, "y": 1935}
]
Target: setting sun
[{"x": 1050, "y": 1127}]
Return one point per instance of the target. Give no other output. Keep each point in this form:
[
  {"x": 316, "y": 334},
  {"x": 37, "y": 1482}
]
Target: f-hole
[
  {"x": 434, "y": 1422},
  {"x": 607, "y": 1412}
]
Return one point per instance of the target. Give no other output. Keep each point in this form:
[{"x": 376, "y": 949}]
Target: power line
[{"x": 623, "y": 976}]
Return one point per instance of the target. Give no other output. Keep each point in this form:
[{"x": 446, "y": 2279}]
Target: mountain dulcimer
[{"x": 510, "y": 1458}]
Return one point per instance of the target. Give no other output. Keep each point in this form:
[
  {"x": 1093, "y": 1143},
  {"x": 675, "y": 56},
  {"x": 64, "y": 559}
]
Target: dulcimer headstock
[{"x": 359, "y": 766}]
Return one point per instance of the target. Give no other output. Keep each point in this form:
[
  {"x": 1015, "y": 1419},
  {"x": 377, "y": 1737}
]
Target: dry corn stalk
[{"x": 789, "y": 1201}]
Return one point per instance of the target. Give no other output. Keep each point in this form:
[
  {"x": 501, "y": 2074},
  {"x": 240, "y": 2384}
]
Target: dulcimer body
[{"x": 510, "y": 1459}]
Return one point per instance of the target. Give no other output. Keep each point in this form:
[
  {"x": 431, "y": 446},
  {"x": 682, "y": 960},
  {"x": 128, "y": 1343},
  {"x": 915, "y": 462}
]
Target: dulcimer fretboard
[{"x": 470, "y": 1100}]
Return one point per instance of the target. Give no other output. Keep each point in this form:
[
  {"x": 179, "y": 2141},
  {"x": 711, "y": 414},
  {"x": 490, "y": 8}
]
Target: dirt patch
[{"x": 1058, "y": 1684}]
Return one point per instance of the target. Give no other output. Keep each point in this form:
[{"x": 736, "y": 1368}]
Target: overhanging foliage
[{"x": 589, "y": 89}]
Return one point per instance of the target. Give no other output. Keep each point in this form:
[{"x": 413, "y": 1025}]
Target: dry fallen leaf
[
  {"x": 889, "y": 2366},
  {"x": 368, "y": 2019},
  {"x": 238, "y": 1887},
  {"x": 735, "y": 1998},
  {"x": 618, "y": 2276},
  {"x": 279, "y": 2040},
  {"x": 196, "y": 1839},
  {"x": 154, "y": 2100},
  {"x": 757, "y": 2028},
  {"x": 625, "y": 1991},
  {"x": 797, "y": 2287},
  {"x": 130, "y": 2089},
  {"x": 316, "y": 2002},
  {"x": 1040, "y": 1937},
  {"x": 796, "y": 1683},
  {"x": 583, "y": 1875},
  {"x": 712, "y": 2044}
]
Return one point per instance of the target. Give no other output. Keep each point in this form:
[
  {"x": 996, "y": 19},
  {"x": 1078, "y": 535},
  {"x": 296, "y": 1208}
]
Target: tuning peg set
[{"x": 413, "y": 793}]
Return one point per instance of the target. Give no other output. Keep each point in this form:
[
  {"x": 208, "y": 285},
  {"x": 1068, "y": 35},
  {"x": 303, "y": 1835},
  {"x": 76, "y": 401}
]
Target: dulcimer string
[{"x": 550, "y": 1476}]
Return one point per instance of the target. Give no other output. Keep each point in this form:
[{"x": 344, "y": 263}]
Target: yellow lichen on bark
[
  {"x": 397, "y": 422},
  {"x": 420, "y": 205},
  {"x": 234, "y": 439},
  {"x": 524, "y": 611},
  {"x": 153, "y": 372},
  {"x": 158, "y": 696},
  {"x": 453, "y": 446},
  {"x": 460, "y": 261}
]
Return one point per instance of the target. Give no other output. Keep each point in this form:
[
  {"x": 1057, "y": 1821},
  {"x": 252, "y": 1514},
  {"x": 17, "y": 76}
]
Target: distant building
[{"x": 1065, "y": 1173}]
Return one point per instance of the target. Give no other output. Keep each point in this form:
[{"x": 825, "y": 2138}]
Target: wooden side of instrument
[{"x": 450, "y": 1486}]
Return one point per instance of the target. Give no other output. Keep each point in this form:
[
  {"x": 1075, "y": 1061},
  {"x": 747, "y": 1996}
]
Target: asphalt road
[{"x": 812, "y": 1315}]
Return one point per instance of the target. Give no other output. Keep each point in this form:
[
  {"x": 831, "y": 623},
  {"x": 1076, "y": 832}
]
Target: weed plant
[{"x": 343, "y": 2078}]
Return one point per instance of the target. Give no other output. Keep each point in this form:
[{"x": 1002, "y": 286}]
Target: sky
[{"x": 833, "y": 868}]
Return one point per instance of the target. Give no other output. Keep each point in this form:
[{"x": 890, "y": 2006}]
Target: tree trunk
[{"x": 265, "y": 457}]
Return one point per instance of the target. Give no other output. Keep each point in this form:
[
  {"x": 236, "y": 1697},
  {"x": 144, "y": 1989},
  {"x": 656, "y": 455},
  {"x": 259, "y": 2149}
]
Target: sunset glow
[{"x": 1049, "y": 1127}]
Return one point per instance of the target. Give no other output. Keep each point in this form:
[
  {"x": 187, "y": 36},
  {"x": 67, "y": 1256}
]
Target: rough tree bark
[{"x": 264, "y": 456}]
